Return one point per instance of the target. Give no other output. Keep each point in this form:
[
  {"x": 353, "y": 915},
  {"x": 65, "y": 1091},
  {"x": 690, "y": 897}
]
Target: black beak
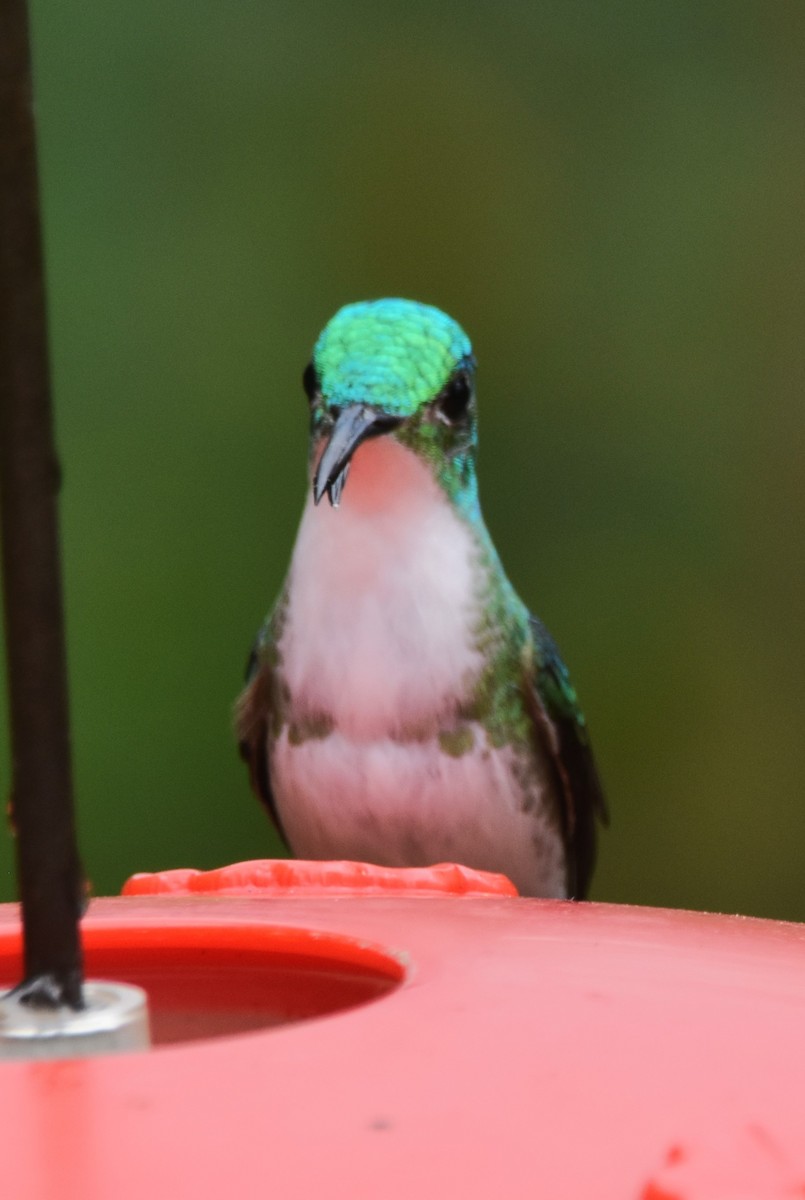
[{"x": 354, "y": 424}]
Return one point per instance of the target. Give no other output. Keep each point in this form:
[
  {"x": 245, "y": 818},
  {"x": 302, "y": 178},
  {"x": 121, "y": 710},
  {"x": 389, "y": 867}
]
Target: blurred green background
[{"x": 609, "y": 196}]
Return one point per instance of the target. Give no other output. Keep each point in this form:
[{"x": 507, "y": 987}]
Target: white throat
[{"x": 382, "y": 600}]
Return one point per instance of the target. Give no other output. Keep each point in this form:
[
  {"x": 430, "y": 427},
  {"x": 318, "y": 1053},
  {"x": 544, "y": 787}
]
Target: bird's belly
[{"x": 412, "y": 804}]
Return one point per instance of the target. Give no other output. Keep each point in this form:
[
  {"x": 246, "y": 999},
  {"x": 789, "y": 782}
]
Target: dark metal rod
[{"x": 48, "y": 867}]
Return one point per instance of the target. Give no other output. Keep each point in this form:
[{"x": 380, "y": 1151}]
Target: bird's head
[{"x": 393, "y": 368}]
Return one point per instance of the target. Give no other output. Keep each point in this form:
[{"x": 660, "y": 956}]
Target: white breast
[
  {"x": 382, "y": 599},
  {"x": 382, "y": 603}
]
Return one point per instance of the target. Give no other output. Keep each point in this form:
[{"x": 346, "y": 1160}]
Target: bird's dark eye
[
  {"x": 454, "y": 399},
  {"x": 310, "y": 382}
]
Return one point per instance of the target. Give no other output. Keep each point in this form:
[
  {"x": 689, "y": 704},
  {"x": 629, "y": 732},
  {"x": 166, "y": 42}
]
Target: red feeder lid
[{"x": 514, "y": 1048}]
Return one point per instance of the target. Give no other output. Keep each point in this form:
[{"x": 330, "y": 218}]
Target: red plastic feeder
[{"x": 442, "y": 1037}]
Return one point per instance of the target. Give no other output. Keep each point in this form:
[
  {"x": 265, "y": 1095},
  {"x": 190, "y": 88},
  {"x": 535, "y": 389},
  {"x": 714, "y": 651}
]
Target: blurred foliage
[{"x": 609, "y": 197}]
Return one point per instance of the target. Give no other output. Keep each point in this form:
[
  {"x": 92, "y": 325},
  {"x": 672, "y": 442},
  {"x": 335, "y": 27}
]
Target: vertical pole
[{"x": 48, "y": 867}]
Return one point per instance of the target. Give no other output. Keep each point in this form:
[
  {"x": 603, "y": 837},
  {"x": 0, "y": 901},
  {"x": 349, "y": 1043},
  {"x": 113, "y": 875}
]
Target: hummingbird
[{"x": 402, "y": 706}]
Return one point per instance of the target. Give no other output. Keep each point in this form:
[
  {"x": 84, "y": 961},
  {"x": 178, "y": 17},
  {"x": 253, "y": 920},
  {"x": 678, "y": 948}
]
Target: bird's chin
[
  {"x": 354, "y": 425},
  {"x": 384, "y": 477}
]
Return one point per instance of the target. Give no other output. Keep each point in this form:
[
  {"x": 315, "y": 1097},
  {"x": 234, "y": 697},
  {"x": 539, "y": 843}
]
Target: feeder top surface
[{"x": 526, "y": 1048}]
